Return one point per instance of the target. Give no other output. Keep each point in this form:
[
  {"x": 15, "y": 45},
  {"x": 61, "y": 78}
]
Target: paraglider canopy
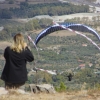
[
  {"x": 47, "y": 31},
  {"x": 65, "y": 26},
  {"x": 81, "y": 28}
]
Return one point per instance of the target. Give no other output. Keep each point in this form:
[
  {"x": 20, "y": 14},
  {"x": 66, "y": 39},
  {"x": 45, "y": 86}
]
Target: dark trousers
[{"x": 13, "y": 85}]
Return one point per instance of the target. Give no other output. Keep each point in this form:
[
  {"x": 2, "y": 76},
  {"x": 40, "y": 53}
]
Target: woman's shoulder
[{"x": 7, "y": 48}]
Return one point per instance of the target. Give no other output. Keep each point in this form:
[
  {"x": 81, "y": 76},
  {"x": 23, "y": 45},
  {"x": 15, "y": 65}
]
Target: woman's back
[{"x": 15, "y": 66}]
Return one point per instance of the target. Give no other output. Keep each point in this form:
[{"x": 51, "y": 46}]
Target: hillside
[
  {"x": 61, "y": 51},
  {"x": 16, "y": 3}
]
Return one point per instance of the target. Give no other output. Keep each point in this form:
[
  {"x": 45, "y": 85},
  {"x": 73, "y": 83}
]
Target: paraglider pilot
[{"x": 70, "y": 77}]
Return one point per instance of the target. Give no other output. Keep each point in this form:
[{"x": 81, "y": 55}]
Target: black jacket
[{"x": 15, "y": 67}]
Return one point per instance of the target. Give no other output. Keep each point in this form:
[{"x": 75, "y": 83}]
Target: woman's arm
[{"x": 29, "y": 55}]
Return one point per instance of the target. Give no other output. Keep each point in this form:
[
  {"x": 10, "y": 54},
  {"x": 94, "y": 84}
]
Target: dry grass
[{"x": 80, "y": 95}]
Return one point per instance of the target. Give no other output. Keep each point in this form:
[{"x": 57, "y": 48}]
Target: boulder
[{"x": 45, "y": 88}]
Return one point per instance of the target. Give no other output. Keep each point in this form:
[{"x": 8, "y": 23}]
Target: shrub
[{"x": 61, "y": 88}]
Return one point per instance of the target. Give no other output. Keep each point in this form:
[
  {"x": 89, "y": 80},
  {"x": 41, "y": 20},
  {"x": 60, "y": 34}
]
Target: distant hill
[{"x": 16, "y": 3}]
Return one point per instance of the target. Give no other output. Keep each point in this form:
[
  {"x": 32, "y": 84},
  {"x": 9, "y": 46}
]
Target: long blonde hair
[{"x": 18, "y": 44}]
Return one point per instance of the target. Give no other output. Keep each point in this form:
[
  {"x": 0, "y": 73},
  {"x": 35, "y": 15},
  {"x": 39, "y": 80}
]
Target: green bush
[
  {"x": 98, "y": 85},
  {"x": 61, "y": 88}
]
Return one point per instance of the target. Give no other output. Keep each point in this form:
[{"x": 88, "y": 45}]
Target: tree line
[{"x": 30, "y": 10}]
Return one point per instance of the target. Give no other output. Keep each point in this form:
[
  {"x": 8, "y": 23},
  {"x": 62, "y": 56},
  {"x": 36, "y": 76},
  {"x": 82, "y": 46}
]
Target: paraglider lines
[
  {"x": 84, "y": 36},
  {"x": 81, "y": 34},
  {"x": 48, "y": 71}
]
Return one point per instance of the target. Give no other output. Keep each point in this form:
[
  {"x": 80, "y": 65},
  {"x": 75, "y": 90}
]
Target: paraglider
[
  {"x": 70, "y": 27},
  {"x": 67, "y": 26},
  {"x": 70, "y": 77}
]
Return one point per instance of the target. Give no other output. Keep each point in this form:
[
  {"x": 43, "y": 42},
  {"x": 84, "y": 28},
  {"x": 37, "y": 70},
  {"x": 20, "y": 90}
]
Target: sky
[
  {"x": 98, "y": 1},
  {"x": 2, "y": 0}
]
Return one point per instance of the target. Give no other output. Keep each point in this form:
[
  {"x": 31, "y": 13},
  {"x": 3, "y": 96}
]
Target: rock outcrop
[{"x": 45, "y": 88}]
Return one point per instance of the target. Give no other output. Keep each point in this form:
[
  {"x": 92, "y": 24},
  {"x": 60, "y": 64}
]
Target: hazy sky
[
  {"x": 98, "y": 1},
  {"x": 2, "y": 0}
]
